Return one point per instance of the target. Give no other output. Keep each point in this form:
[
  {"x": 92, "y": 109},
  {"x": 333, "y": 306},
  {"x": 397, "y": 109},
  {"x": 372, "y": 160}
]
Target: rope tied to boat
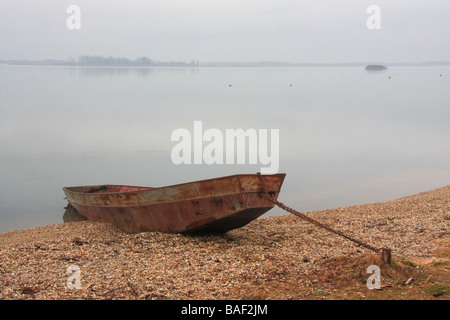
[{"x": 385, "y": 252}]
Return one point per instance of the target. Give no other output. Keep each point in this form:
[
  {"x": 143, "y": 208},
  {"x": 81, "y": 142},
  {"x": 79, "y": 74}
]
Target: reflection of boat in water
[
  {"x": 214, "y": 205},
  {"x": 72, "y": 215}
]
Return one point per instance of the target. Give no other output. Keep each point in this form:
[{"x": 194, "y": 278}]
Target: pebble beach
[{"x": 277, "y": 251}]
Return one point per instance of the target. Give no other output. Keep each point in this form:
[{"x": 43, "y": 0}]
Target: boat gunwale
[{"x": 156, "y": 188}]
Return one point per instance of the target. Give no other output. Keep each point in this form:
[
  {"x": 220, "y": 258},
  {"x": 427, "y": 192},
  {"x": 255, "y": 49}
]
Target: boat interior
[{"x": 107, "y": 189}]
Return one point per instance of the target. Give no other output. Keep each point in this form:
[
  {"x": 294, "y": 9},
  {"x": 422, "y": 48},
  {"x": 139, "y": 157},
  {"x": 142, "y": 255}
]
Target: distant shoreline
[{"x": 112, "y": 62}]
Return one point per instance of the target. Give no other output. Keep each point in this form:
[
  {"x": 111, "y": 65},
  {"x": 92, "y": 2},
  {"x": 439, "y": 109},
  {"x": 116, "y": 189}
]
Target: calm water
[{"x": 347, "y": 136}]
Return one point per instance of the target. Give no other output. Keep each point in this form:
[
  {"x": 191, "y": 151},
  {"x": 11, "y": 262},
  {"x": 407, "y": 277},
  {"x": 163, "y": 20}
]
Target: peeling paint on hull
[{"x": 213, "y": 205}]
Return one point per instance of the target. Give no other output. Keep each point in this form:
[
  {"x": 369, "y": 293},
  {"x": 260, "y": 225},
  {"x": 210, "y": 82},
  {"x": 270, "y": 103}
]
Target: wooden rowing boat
[{"x": 214, "y": 205}]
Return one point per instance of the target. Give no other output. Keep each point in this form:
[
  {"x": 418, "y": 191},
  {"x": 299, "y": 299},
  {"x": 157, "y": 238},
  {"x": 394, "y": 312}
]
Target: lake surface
[{"x": 347, "y": 136}]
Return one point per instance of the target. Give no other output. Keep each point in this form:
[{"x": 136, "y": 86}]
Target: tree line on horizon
[{"x": 113, "y": 61}]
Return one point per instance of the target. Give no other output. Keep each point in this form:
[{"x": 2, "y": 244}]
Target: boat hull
[{"x": 214, "y": 205}]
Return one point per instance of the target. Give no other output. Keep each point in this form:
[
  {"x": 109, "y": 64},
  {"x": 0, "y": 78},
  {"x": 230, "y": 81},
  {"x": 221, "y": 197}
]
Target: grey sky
[{"x": 228, "y": 30}]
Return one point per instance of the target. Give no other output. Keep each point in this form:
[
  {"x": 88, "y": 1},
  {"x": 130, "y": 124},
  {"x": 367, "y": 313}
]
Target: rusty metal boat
[{"x": 213, "y": 205}]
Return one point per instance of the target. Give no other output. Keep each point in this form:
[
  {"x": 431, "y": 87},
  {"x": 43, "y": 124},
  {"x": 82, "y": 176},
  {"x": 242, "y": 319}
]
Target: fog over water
[{"x": 346, "y": 135}]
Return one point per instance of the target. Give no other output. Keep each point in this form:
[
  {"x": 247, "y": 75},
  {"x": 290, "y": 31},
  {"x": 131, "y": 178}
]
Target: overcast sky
[{"x": 228, "y": 30}]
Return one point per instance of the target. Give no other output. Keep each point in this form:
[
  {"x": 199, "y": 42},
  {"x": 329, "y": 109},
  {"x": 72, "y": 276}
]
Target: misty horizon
[
  {"x": 228, "y": 31},
  {"x": 143, "y": 61}
]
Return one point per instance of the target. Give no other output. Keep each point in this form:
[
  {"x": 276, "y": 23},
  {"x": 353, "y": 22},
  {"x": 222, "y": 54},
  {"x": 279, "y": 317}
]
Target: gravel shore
[{"x": 39, "y": 263}]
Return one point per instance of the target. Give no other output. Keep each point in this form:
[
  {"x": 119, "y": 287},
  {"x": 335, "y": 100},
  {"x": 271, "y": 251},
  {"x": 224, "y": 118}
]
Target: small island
[{"x": 375, "y": 67}]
